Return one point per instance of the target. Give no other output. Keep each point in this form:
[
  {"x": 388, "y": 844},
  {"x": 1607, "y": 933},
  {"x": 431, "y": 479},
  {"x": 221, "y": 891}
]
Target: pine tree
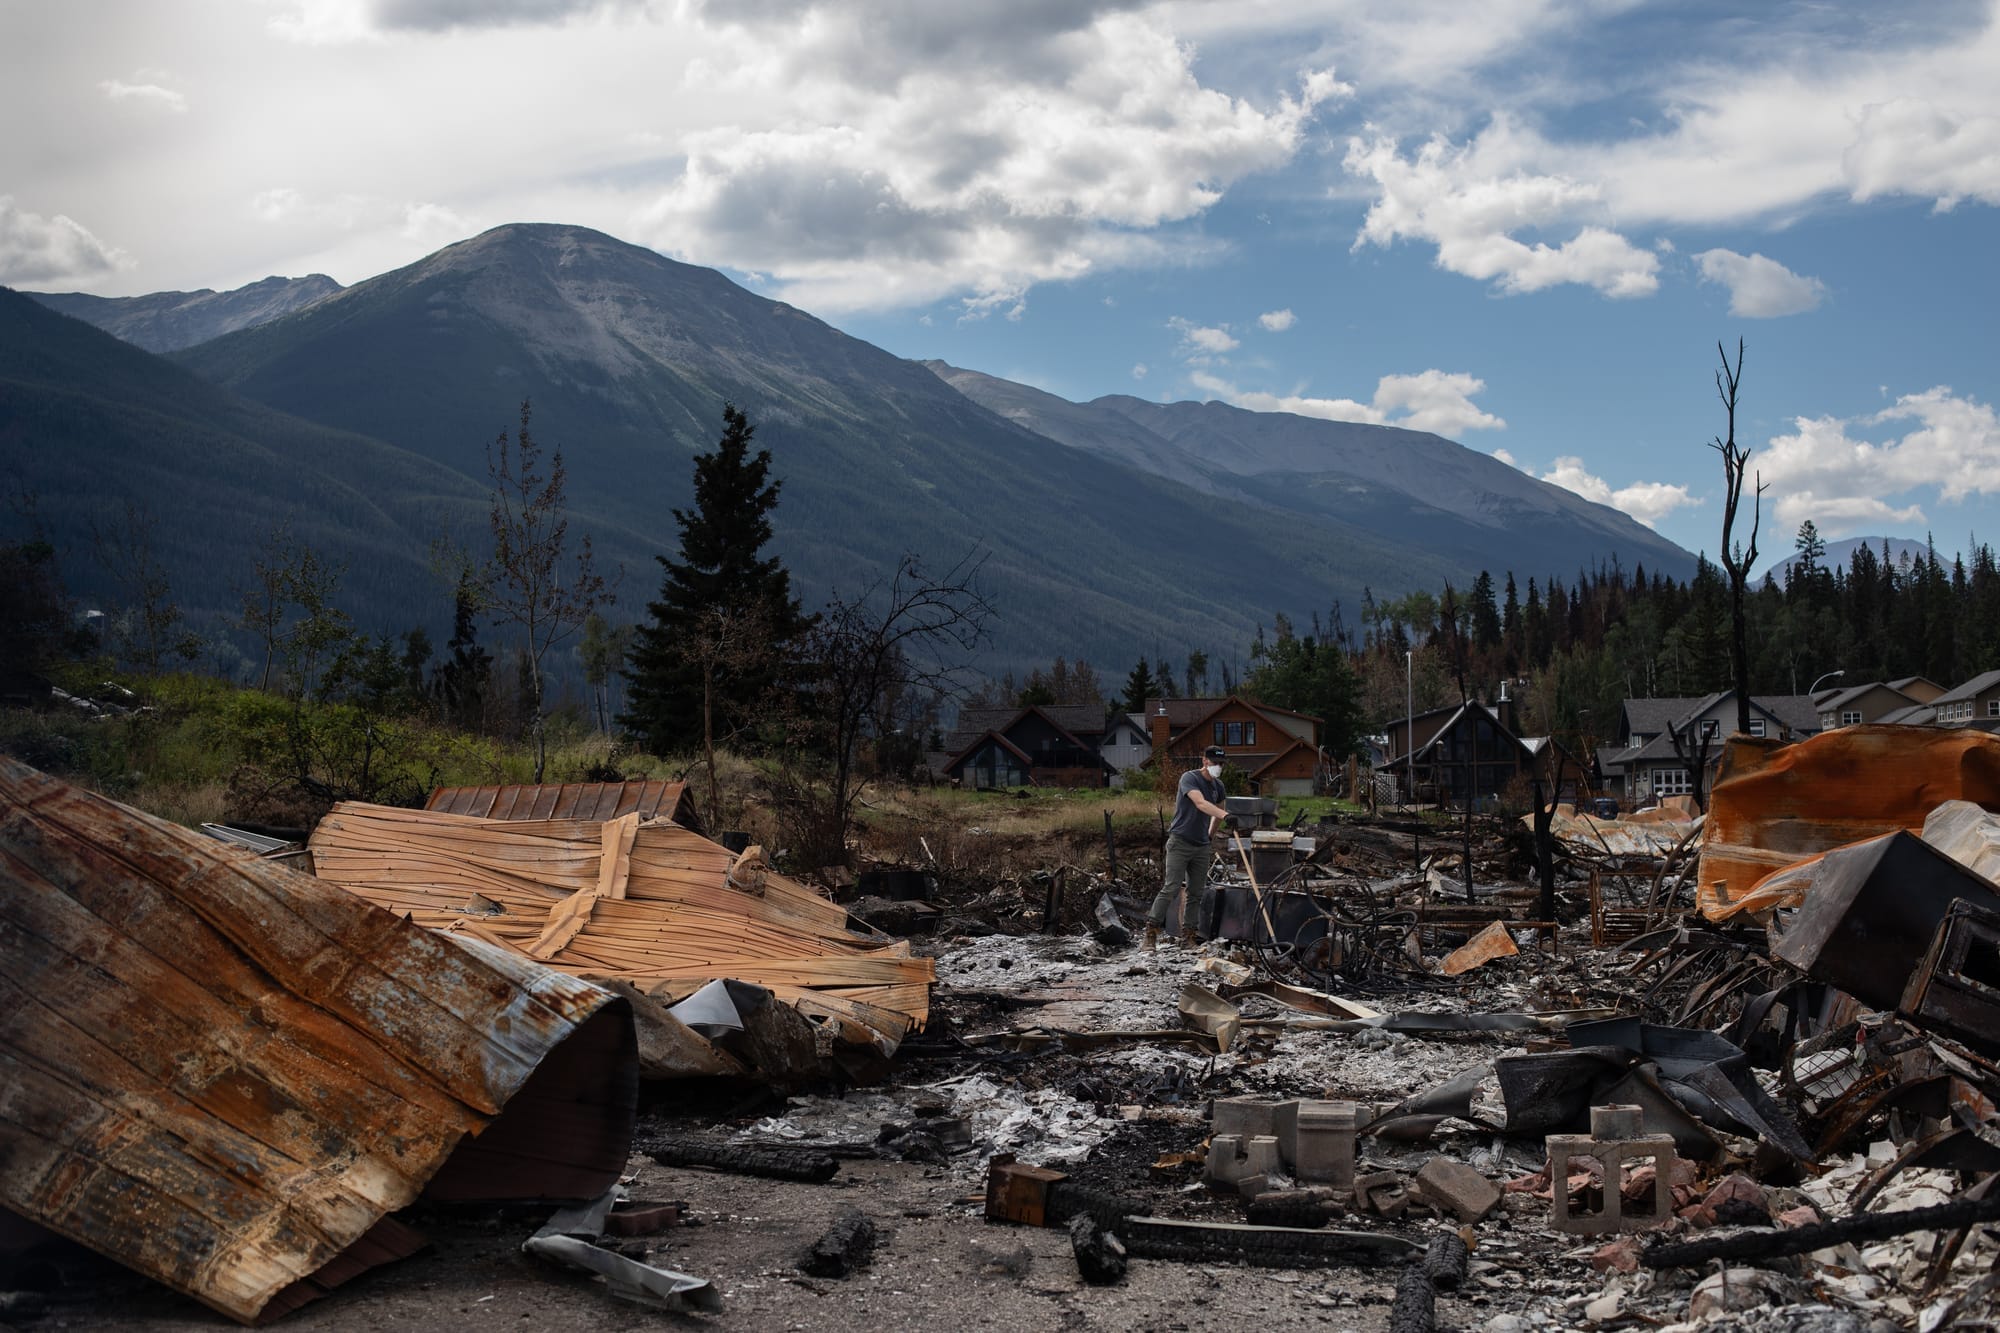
[
  {"x": 717, "y": 595},
  {"x": 1139, "y": 687}
]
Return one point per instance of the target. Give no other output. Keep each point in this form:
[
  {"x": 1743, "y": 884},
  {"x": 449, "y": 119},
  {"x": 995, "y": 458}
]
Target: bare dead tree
[
  {"x": 527, "y": 583},
  {"x": 263, "y": 598},
  {"x": 1692, "y": 750},
  {"x": 151, "y": 627},
  {"x": 1737, "y": 561},
  {"x": 862, "y": 653}
]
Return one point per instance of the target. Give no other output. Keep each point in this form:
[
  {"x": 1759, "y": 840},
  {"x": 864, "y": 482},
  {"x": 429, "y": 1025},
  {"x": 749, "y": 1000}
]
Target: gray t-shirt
[{"x": 1191, "y": 821}]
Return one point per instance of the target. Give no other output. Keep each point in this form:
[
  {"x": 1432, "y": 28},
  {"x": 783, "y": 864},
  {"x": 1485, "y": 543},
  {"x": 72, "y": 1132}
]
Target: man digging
[{"x": 1197, "y": 806}]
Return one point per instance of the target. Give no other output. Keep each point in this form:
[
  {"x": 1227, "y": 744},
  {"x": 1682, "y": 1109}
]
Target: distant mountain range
[
  {"x": 1840, "y": 554},
  {"x": 1110, "y": 528},
  {"x": 169, "y": 321}
]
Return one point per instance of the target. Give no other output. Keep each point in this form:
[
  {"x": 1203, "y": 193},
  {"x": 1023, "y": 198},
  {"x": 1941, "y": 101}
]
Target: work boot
[
  {"x": 1190, "y": 940},
  {"x": 1150, "y": 940}
]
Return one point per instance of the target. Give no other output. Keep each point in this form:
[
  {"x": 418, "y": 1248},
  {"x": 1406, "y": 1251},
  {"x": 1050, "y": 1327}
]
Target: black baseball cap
[{"x": 1215, "y": 752}]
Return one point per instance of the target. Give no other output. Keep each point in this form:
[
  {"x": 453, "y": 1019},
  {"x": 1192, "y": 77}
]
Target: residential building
[
  {"x": 1276, "y": 747},
  {"x": 1042, "y": 745},
  {"x": 1643, "y": 765},
  {"x": 1126, "y": 744},
  {"x": 1976, "y": 703},
  {"x": 1861, "y": 704}
]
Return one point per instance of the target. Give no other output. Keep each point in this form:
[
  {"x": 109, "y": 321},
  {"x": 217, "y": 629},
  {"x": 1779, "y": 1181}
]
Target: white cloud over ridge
[
  {"x": 37, "y": 249},
  {"x": 1759, "y": 288},
  {"x": 1822, "y": 472},
  {"x": 1433, "y": 400},
  {"x": 1647, "y": 501},
  {"x": 924, "y": 157}
]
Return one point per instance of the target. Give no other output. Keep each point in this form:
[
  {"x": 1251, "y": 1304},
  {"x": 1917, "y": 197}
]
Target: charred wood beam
[
  {"x": 814, "y": 1168},
  {"x": 1822, "y": 1235}
]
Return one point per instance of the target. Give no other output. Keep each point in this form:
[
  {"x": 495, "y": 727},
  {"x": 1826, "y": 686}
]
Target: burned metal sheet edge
[{"x": 568, "y": 1239}]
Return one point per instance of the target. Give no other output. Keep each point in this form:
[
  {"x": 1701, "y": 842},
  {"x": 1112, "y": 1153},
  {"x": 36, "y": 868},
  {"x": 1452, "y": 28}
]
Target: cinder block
[
  {"x": 1323, "y": 1139},
  {"x": 1244, "y": 1117},
  {"x": 1456, "y": 1188},
  {"x": 1613, "y": 1156},
  {"x": 1382, "y": 1193},
  {"x": 1231, "y": 1158}
]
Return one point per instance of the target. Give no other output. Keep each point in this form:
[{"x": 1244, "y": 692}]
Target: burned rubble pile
[{"x": 1732, "y": 1066}]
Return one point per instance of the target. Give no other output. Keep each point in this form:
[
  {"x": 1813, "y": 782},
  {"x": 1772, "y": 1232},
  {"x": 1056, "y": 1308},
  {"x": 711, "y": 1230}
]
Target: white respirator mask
[{"x": 1213, "y": 770}]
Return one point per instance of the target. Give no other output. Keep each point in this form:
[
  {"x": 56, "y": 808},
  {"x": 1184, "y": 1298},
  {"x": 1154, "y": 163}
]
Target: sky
[{"x": 1527, "y": 225}]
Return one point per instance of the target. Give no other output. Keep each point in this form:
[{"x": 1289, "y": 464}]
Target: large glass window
[
  {"x": 1671, "y": 782},
  {"x": 1756, "y": 726},
  {"x": 1850, "y": 717},
  {"x": 1250, "y": 730},
  {"x": 1236, "y": 733},
  {"x": 1218, "y": 733}
]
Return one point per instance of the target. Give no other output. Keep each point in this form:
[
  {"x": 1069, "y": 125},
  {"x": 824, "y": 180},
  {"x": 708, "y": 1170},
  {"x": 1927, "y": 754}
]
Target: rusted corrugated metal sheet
[
  {"x": 224, "y": 1073},
  {"x": 597, "y": 801},
  {"x": 1774, "y": 805}
]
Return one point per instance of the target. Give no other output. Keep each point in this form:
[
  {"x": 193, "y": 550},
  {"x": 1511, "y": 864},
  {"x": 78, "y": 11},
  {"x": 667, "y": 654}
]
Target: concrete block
[
  {"x": 1613, "y": 1155},
  {"x": 1456, "y": 1188},
  {"x": 1232, "y": 1158},
  {"x": 1244, "y": 1117},
  {"x": 1382, "y": 1193},
  {"x": 1323, "y": 1139}
]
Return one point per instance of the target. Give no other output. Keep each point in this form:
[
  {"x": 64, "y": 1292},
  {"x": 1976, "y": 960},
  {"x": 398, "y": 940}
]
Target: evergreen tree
[
  {"x": 1485, "y": 613},
  {"x": 1139, "y": 687},
  {"x": 717, "y": 595}
]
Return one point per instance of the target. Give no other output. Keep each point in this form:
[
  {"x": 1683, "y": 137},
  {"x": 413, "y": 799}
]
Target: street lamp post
[
  {"x": 1409, "y": 728},
  {"x": 1813, "y": 688}
]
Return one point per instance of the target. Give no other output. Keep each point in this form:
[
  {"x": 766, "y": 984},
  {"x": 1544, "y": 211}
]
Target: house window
[
  {"x": 1756, "y": 726},
  {"x": 1250, "y": 731},
  {"x": 1710, "y": 727},
  {"x": 1671, "y": 782},
  {"x": 1236, "y": 733},
  {"x": 1850, "y": 717},
  {"x": 1218, "y": 733},
  {"x": 1826, "y": 721},
  {"x": 1993, "y": 708}
]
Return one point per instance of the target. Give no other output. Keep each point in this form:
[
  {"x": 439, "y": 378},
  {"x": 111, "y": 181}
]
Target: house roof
[
  {"x": 1282, "y": 755},
  {"x": 1047, "y": 713},
  {"x": 1185, "y": 713},
  {"x": 981, "y": 740},
  {"x": 1916, "y": 715},
  {"x": 1852, "y": 693},
  {"x": 1652, "y": 717},
  {"x": 1459, "y": 712},
  {"x": 1971, "y": 689}
]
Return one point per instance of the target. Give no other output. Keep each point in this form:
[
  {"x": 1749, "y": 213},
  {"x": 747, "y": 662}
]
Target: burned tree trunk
[{"x": 1737, "y": 561}]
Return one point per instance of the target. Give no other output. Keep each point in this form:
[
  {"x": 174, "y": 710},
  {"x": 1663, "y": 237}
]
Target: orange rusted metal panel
[
  {"x": 224, "y": 1073},
  {"x": 592, "y": 801},
  {"x": 1493, "y": 942},
  {"x": 1775, "y": 805}
]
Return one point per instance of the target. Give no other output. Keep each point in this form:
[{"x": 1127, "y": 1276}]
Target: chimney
[
  {"x": 1164, "y": 777},
  {"x": 1504, "y": 709}
]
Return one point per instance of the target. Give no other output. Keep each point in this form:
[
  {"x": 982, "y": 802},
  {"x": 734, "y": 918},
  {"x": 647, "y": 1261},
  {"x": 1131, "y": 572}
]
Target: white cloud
[
  {"x": 1139, "y": 371},
  {"x": 1199, "y": 343},
  {"x": 152, "y": 94},
  {"x": 37, "y": 249},
  {"x": 927, "y": 150},
  {"x": 1469, "y": 201},
  {"x": 1647, "y": 501},
  {"x": 1759, "y": 288},
  {"x": 1821, "y": 471},
  {"x": 435, "y": 224},
  {"x": 1911, "y": 146},
  {"x": 1434, "y": 400},
  {"x": 1277, "y": 321},
  {"x": 1506, "y": 458}
]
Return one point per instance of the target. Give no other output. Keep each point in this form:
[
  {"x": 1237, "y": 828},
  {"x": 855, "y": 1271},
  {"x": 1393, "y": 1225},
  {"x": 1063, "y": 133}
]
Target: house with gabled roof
[
  {"x": 1278, "y": 748},
  {"x": 1643, "y": 764},
  {"x": 1126, "y": 744},
  {"x": 1976, "y": 703},
  {"x": 1038, "y": 745},
  {"x": 1859, "y": 705}
]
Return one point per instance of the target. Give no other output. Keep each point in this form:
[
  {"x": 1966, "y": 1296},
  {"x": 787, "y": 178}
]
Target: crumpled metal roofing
[{"x": 224, "y": 1073}]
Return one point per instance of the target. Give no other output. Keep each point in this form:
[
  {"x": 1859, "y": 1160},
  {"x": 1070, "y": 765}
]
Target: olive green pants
[{"x": 1187, "y": 864}]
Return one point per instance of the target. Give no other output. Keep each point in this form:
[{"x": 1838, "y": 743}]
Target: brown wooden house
[{"x": 1276, "y": 747}]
